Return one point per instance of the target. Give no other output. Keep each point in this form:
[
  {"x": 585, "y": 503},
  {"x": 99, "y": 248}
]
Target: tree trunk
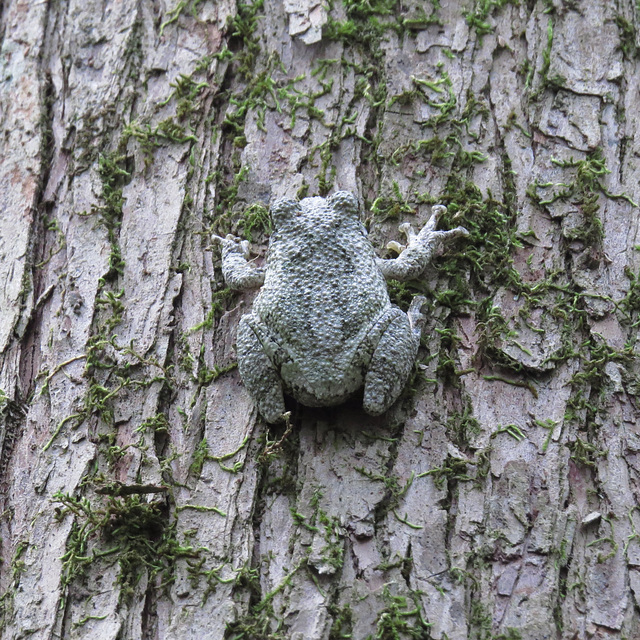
[{"x": 142, "y": 495}]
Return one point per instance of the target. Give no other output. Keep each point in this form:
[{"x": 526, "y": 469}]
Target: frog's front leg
[
  {"x": 421, "y": 247},
  {"x": 259, "y": 374},
  {"x": 237, "y": 272},
  {"x": 393, "y": 358}
]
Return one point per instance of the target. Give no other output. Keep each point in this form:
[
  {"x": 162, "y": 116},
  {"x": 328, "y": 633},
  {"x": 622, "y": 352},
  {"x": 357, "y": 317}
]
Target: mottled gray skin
[{"x": 322, "y": 325}]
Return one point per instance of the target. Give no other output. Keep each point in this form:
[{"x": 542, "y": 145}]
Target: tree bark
[{"x": 142, "y": 495}]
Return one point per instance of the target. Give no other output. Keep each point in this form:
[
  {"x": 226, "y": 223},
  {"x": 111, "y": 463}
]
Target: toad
[{"x": 323, "y": 326}]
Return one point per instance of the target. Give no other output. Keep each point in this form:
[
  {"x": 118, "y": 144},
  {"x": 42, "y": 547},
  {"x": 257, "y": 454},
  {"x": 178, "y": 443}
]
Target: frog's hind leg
[
  {"x": 259, "y": 374},
  {"x": 392, "y": 361}
]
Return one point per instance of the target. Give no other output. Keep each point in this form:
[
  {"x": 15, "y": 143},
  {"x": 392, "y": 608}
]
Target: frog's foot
[
  {"x": 437, "y": 211},
  {"x": 391, "y": 363},
  {"x": 428, "y": 234},
  {"x": 416, "y": 315},
  {"x": 258, "y": 374},
  {"x": 238, "y": 273},
  {"x": 231, "y": 244},
  {"x": 413, "y": 259}
]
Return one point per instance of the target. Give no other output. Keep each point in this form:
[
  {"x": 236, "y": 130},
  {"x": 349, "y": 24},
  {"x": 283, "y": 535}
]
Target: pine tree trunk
[{"x": 142, "y": 495}]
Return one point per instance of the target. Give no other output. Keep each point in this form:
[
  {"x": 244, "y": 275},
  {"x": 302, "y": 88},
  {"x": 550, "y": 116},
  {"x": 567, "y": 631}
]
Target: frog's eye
[
  {"x": 283, "y": 210},
  {"x": 345, "y": 202}
]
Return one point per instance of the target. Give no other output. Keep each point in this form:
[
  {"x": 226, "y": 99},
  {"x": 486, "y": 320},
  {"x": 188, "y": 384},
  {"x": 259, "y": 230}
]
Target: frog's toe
[
  {"x": 416, "y": 316},
  {"x": 458, "y": 232},
  {"x": 396, "y": 246},
  {"x": 437, "y": 211},
  {"x": 272, "y": 409},
  {"x": 408, "y": 231}
]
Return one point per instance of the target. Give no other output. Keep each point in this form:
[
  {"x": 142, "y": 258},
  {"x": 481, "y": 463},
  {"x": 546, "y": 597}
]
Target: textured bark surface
[{"x": 142, "y": 497}]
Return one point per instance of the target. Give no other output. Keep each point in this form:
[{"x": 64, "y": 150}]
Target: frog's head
[
  {"x": 331, "y": 213},
  {"x": 283, "y": 211},
  {"x": 315, "y": 213},
  {"x": 344, "y": 203},
  {"x": 345, "y": 212}
]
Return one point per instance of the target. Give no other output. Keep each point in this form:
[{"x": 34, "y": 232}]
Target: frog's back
[{"x": 323, "y": 291}]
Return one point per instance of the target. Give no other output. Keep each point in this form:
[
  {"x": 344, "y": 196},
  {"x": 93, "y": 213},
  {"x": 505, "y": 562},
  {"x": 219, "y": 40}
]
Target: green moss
[
  {"x": 419, "y": 19},
  {"x": 342, "y": 625},
  {"x": 17, "y": 561},
  {"x": 352, "y": 31},
  {"x": 327, "y": 173},
  {"x": 394, "y": 490},
  {"x": 493, "y": 331},
  {"x": 362, "y": 33},
  {"x": 436, "y": 150},
  {"x": 303, "y": 191},
  {"x": 256, "y": 217},
  {"x": 630, "y": 304},
  {"x": 488, "y": 252},
  {"x": 477, "y": 18},
  {"x": 402, "y": 293},
  {"x": 391, "y": 207},
  {"x": 333, "y": 551},
  {"x": 607, "y": 545},
  {"x": 584, "y": 453},
  {"x": 241, "y": 30},
  {"x": 584, "y": 190},
  {"x": 200, "y": 456},
  {"x": 206, "y": 376},
  {"x": 114, "y": 176},
  {"x": 628, "y": 37},
  {"x": 219, "y": 301},
  {"x": 136, "y": 532},
  {"x": 402, "y": 617},
  {"x": 546, "y": 57},
  {"x": 452, "y": 470},
  {"x": 260, "y": 622},
  {"x": 481, "y": 624},
  {"x": 462, "y": 426},
  {"x": 185, "y": 91},
  {"x": 167, "y": 131},
  {"x": 173, "y": 14}
]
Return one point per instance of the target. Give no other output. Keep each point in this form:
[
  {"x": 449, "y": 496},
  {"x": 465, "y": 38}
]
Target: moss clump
[
  {"x": 261, "y": 621},
  {"x": 256, "y": 218},
  {"x": 491, "y": 224},
  {"x": 166, "y": 132},
  {"x": 477, "y": 18},
  {"x": 366, "y": 23},
  {"x": 584, "y": 191},
  {"x": 342, "y": 626},
  {"x": 402, "y": 617},
  {"x": 136, "y": 531},
  {"x": 114, "y": 176},
  {"x": 627, "y": 32},
  {"x": 392, "y": 207}
]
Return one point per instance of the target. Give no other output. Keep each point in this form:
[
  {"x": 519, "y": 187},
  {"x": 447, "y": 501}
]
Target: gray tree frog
[{"x": 322, "y": 326}]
